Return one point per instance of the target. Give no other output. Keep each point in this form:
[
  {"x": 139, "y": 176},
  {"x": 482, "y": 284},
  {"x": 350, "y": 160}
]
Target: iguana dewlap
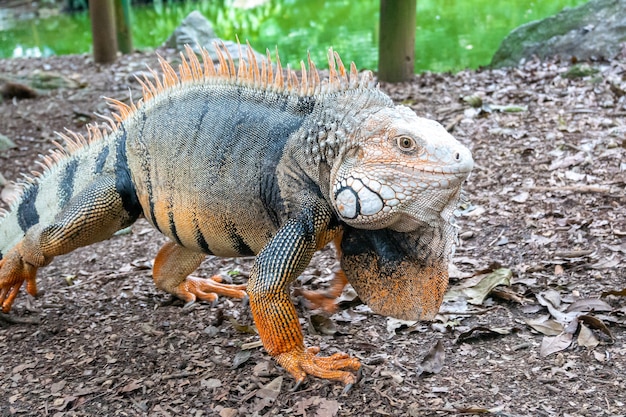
[{"x": 244, "y": 161}]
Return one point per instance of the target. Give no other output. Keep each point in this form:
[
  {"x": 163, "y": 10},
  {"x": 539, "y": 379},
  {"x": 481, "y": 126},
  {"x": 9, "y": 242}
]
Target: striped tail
[{"x": 66, "y": 171}]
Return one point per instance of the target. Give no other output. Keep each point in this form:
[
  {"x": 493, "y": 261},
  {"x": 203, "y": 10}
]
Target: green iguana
[{"x": 239, "y": 161}]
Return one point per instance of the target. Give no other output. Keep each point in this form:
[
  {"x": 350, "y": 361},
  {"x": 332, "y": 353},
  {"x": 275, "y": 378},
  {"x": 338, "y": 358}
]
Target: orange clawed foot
[
  {"x": 13, "y": 272},
  {"x": 192, "y": 289},
  {"x": 301, "y": 363}
]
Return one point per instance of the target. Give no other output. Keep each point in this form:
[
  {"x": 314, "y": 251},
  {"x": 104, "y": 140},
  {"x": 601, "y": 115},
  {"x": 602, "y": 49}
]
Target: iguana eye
[{"x": 406, "y": 143}]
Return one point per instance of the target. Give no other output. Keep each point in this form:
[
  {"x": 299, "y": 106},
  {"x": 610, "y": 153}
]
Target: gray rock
[
  {"x": 593, "y": 30},
  {"x": 196, "y": 30}
]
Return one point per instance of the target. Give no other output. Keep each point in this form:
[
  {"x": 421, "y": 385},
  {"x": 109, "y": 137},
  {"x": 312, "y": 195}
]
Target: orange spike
[
  {"x": 340, "y": 67},
  {"x": 253, "y": 64},
  {"x": 242, "y": 71},
  {"x": 354, "y": 76},
  {"x": 263, "y": 73},
  {"x": 295, "y": 84},
  {"x": 332, "y": 67},
  {"x": 157, "y": 85},
  {"x": 279, "y": 81},
  {"x": 184, "y": 69},
  {"x": 231, "y": 62},
  {"x": 314, "y": 77},
  {"x": 223, "y": 69},
  {"x": 207, "y": 63},
  {"x": 270, "y": 70},
  {"x": 304, "y": 87},
  {"x": 196, "y": 68}
]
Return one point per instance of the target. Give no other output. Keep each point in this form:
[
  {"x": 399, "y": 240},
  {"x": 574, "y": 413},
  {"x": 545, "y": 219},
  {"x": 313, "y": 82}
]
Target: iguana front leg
[
  {"x": 172, "y": 266},
  {"x": 276, "y": 266},
  {"x": 91, "y": 216}
]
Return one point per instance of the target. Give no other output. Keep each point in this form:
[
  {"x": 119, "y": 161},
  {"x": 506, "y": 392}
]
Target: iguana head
[{"x": 399, "y": 171}]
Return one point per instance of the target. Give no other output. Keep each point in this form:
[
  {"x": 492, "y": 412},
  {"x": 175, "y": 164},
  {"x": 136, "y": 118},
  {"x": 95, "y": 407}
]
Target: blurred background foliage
[{"x": 451, "y": 34}]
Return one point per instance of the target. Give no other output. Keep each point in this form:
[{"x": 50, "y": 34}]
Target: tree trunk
[
  {"x": 102, "y": 15},
  {"x": 396, "y": 48},
  {"x": 123, "y": 26}
]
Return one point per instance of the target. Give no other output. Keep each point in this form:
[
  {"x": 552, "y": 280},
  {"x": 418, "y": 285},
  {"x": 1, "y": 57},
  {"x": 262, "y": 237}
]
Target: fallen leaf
[
  {"x": 57, "y": 386},
  {"x": 242, "y": 328},
  {"x": 433, "y": 360},
  {"x": 476, "y": 294},
  {"x": 553, "y": 344},
  {"x": 394, "y": 324},
  {"x": 131, "y": 386},
  {"x": 596, "y": 323},
  {"x": 546, "y": 326},
  {"x": 240, "y": 358},
  {"x": 559, "y": 316},
  {"x": 586, "y": 337},
  {"x": 228, "y": 412},
  {"x": 521, "y": 197},
  {"x": 322, "y": 325},
  {"x": 589, "y": 304},
  {"x": 271, "y": 390},
  {"x": 483, "y": 331},
  {"x": 621, "y": 292},
  {"x": 210, "y": 383}
]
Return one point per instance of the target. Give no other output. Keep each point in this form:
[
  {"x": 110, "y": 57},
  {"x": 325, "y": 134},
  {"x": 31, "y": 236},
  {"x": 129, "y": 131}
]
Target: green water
[{"x": 451, "y": 34}]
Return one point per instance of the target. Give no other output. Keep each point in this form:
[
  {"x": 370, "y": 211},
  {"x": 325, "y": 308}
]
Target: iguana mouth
[{"x": 402, "y": 275}]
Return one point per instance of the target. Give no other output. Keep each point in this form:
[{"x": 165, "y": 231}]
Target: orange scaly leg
[
  {"x": 278, "y": 264},
  {"x": 14, "y": 271},
  {"x": 172, "y": 267}
]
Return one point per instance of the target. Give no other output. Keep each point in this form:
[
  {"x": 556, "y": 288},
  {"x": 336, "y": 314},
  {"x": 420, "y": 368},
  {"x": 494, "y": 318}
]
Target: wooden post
[
  {"x": 102, "y": 15},
  {"x": 396, "y": 48},
  {"x": 123, "y": 26}
]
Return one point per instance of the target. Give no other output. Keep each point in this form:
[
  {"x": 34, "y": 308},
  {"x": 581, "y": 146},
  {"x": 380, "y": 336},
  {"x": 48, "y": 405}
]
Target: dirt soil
[{"x": 546, "y": 203}]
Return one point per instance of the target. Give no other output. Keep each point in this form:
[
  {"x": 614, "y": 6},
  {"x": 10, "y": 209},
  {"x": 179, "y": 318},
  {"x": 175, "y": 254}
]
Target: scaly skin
[{"x": 241, "y": 162}]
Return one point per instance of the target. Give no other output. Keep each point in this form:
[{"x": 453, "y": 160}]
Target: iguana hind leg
[
  {"x": 91, "y": 216},
  {"x": 172, "y": 267}
]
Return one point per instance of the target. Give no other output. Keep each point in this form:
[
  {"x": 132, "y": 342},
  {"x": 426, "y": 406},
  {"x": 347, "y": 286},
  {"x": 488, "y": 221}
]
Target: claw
[
  {"x": 347, "y": 389},
  {"x": 14, "y": 271},
  {"x": 298, "y": 385},
  {"x": 300, "y": 363}
]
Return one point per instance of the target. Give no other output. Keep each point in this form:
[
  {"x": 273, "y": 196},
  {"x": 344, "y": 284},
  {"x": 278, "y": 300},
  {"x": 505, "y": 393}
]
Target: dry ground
[{"x": 546, "y": 201}]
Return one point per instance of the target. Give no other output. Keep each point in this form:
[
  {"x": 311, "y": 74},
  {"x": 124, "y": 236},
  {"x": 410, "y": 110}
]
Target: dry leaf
[
  {"x": 240, "y": 358},
  {"x": 433, "y": 361},
  {"x": 242, "y": 328},
  {"x": 589, "y": 304},
  {"x": 596, "y": 323},
  {"x": 322, "y": 325},
  {"x": 483, "y": 331},
  {"x": 271, "y": 390},
  {"x": 621, "y": 292},
  {"x": 586, "y": 337},
  {"x": 131, "y": 386},
  {"x": 559, "y": 316},
  {"x": 553, "y": 344},
  {"x": 476, "y": 294},
  {"x": 546, "y": 326},
  {"x": 57, "y": 386}
]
